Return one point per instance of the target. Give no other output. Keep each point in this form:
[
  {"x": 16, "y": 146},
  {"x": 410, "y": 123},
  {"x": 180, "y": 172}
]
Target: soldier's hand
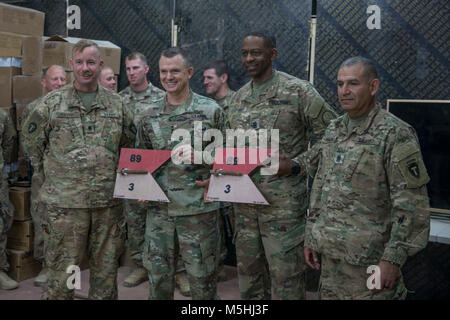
[
  {"x": 205, "y": 185},
  {"x": 311, "y": 258},
  {"x": 284, "y": 165},
  {"x": 388, "y": 275},
  {"x": 142, "y": 201}
]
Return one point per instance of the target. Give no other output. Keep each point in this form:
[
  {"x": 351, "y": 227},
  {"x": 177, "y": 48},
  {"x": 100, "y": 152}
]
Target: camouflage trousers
[
  {"x": 269, "y": 253},
  {"x": 38, "y": 211},
  {"x": 99, "y": 232},
  {"x": 196, "y": 239},
  {"x": 135, "y": 215},
  {"x": 6, "y": 221},
  {"x": 340, "y": 280}
]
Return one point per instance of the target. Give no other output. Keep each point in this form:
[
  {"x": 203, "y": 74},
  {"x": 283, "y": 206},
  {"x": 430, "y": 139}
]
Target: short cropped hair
[
  {"x": 174, "y": 51},
  {"x": 269, "y": 38},
  {"x": 137, "y": 55},
  {"x": 83, "y": 44},
  {"x": 219, "y": 66},
  {"x": 370, "y": 68}
]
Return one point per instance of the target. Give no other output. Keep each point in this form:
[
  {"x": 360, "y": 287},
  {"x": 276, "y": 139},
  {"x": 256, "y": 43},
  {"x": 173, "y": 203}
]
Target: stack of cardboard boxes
[
  {"x": 20, "y": 237},
  {"x": 24, "y": 53},
  {"x": 21, "y": 32}
]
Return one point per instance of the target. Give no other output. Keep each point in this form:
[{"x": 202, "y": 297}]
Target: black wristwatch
[{"x": 295, "y": 168}]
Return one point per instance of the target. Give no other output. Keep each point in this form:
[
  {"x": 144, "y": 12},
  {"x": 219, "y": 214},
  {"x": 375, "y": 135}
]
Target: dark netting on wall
[
  {"x": 411, "y": 46},
  {"x": 209, "y": 29},
  {"x": 213, "y": 29}
]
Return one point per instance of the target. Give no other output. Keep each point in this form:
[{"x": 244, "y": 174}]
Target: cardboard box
[
  {"x": 21, "y": 20},
  {"x": 32, "y": 56},
  {"x": 6, "y": 82},
  {"x": 21, "y": 236},
  {"x": 23, "y": 169},
  {"x": 20, "y": 199},
  {"x": 22, "y": 265},
  {"x": 11, "y": 44},
  {"x": 27, "y": 88},
  {"x": 58, "y": 50}
]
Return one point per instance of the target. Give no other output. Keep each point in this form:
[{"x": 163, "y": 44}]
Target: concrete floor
[
  {"x": 227, "y": 290},
  {"x": 27, "y": 291}
]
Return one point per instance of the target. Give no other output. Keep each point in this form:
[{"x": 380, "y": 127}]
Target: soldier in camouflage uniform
[
  {"x": 269, "y": 239},
  {"x": 54, "y": 77},
  {"x": 75, "y": 134},
  {"x": 137, "y": 98},
  {"x": 215, "y": 79},
  {"x": 107, "y": 78},
  {"x": 186, "y": 225},
  {"x": 369, "y": 203},
  {"x": 7, "y": 142}
]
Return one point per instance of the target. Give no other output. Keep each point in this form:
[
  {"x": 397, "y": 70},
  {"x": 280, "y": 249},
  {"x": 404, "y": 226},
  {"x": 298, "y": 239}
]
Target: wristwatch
[{"x": 295, "y": 168}]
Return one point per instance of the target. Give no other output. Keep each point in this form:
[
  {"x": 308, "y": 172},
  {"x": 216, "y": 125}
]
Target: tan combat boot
[
  {"x": 182, "y": 283},
  {"x": 6, "y": 283},
  {"x": 136, "y": 277},
  {"x": 42, "y": 278}
]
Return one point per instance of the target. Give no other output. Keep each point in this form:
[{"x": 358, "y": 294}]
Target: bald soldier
[
  {"x": 53, "y": 78},
  {"x": 107, "y": 78},
  {"x": 75, "y": 134},
  {"x": 369, "y": 206}
]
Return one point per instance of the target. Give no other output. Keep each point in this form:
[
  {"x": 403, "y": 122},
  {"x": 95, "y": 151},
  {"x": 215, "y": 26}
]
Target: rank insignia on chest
[
  {"x": 339, "y": 158},
  {"x": 89, "y": 127}
]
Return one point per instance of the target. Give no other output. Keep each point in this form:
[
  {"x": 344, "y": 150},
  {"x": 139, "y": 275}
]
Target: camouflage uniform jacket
[
  {"x": 225, "y": 101},
  {"x": 178, "y": 181},
  {"x": 300, "y": 114},
  {"x": 138, "y": 103},
  {"x": 369, "y": 199},
  {"x": 7, "y": 143},
  {"x": 26, "y": 111},
  {"x": 8, "y": 139},
  {"x": 79, "y": 151},
  {"x": 38, "y": 176}
]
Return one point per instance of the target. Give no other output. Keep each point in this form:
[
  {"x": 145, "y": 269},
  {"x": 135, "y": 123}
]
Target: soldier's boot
[
  {"x": 222, "y": 276},
  {"x": 182, "y": 283},
  {"x": 6, "y": 283},
  {"x": 138, "y": 276},
  {"x": 42, "y": 278}
]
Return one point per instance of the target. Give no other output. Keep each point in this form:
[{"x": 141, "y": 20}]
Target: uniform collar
[
  {"x": 271, "y": 92},
  {"x": 142, "y": 95},
  {"x": 367, "y": 122},
  {"x": 74, "y": 100},
  {"x": 187, "y": 104}
]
